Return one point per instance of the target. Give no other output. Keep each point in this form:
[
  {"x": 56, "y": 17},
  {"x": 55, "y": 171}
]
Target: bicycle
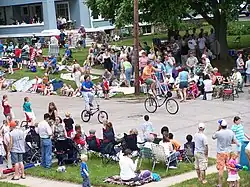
[
  {"x": 168, "y": 101},
  {"x": 102, "y": 115}
]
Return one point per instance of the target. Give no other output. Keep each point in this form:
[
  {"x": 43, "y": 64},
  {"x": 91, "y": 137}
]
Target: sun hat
[
  {"x": 201, "y": 126},
  {"x": 222, "y": 122}
]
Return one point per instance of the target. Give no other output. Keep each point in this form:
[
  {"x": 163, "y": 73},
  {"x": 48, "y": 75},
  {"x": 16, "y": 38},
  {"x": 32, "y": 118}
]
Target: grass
[
  {"x": 213, "y": 179},
  {"x": 7, "y": 184},
  {"x": 98, "y": 171}
]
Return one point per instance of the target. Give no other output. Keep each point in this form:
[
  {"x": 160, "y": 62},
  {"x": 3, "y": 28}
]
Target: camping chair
[
  {"x": 145, "y": 153},
  {"x": 160, "y": 156}
]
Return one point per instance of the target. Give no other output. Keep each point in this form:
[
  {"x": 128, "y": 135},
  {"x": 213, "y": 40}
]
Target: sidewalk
[
  {"x": 179, "y": 178},
  {"x": 39, "y": 182}
]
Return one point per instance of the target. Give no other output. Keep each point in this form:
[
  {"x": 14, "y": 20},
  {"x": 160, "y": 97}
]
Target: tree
[{"x": 169, "y": 12}]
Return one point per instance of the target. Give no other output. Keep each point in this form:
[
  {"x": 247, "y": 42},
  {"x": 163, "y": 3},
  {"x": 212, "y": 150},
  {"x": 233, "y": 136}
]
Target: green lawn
[
  {"x": 7, "y": 184},
  {"x": 212, "y": 181},
  {"x": 98, "y": 171}
]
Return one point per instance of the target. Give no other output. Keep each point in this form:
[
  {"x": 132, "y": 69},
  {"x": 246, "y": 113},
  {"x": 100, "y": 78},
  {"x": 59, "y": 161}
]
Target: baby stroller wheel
[
  {"x": 102, "y": 115},
  {"x": 85, "y": 116}
]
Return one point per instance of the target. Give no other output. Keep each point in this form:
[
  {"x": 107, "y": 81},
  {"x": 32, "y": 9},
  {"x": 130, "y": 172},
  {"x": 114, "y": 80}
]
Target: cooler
[{"x": 243, "y": 157}]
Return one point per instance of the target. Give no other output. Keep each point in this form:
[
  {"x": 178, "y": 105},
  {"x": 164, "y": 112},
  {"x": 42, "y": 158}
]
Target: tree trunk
[{"x": 220, "y": 27}]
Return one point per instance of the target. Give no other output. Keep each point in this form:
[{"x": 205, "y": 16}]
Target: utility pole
[{"x": 136, "y": 47}]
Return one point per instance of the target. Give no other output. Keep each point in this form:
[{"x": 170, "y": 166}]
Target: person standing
[
  {"x": 201, "y": 153},
  {"x": 6, "y": 107},
  {"x": 85, "y": 171},
  {"x": 45, "y": 133},
  {"x": 17, "y": 149},
  {"x": 28, "y": 111},
  {"x": 225, "y": 137}
]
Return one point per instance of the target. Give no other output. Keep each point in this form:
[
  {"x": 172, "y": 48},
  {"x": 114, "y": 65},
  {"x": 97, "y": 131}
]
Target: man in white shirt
[
  {"x": 192, "y": 44},
  {"x": 201, "y": 43},
  {"x": 45, "y": 132},
  {"x": 201, "y": 153},
  {"x": 191, "y": 62},
  {"x": 128, "y": 166}
]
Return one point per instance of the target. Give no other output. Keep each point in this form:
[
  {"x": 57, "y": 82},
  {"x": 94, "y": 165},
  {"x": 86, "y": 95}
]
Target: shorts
[
  {"x": 233, "y": 178},
  {"x": 105, "y": 91},
  {"x": 18, "y": 60},
  {"x": 201, "y": 161},
  {"x": 1, "y": 159},
  {"x": 149, "y": 81},
  {"x": 221, "y": 161},
  {"x": 16, "y": 157},
  {"x": 183, "y": 85}
]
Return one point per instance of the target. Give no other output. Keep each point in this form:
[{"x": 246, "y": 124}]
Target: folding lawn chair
[
  {"x": 145, "y": 153},
  {"x": 160, "y": 156}
]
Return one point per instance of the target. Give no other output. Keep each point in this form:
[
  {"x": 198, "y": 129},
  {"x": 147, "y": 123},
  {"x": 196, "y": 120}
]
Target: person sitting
[
  {"x": 2, "y": 82},
  {"x": 52, "y": 66},
  {"x": 64, "y": 89},
  {"x": 168, "y": 149},
  {"x": 194, "y": 89},
  {"x": 49, "y": 89},
  {"x": 175, "y": 143},
  {"x": 147, "y": 128},
  {"x": 79, "y": 138},
  {"x": 69, "y": 125},
  {"x": 128, "y": 167},
  {"x": 93, "y": 142},
  {"x": 107, "y": 146},
  {"x": 67, "y": 54},
  {"x": 59, "y": 130},
  {"x": 150, "y": 141}
]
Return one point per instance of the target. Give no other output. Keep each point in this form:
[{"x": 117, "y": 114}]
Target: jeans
[
  {"x": 128, "y": 74},
  {"x": 84, "y": 43},
  {"x": 46, "y": 149},
  {"x": 86, "y": 182},
  {"x": 88, "y": 98}
]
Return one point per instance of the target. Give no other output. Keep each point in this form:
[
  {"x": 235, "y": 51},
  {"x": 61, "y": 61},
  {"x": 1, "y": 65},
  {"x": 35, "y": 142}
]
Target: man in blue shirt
[
  {"x": 87, "y": 88},
  {"x": 52, "y": 64}
]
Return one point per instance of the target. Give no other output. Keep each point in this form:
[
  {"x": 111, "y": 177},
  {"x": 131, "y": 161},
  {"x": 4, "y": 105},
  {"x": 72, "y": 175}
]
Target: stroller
[
  {"x": 32, "y": 147},
  {"x": 67, "y": 152}
]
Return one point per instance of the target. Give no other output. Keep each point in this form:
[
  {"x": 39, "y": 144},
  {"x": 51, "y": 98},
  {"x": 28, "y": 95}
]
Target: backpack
[{"x": 156, "y": 177}]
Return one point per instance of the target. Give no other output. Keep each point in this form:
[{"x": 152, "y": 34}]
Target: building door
[{"x": 62, "y": 10}]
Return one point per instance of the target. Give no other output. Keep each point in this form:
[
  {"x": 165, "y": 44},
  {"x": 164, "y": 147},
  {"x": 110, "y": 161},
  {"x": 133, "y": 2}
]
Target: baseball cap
[
  {"x": 92, "y": 131},
  {"x": 222, "y": 122},
  {"x": 201, "y": 126},
  {"x": 12, "y": 124}
]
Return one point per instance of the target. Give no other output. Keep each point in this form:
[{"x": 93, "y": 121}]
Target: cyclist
[
  {"x": 148, "y": 71},
  {"x": 88, "y": 95}
]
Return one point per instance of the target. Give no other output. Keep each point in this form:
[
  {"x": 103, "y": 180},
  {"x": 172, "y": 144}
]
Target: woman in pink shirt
[{"x": 143, "y": 60}]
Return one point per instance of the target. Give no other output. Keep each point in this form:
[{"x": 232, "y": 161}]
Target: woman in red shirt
[{"x": 6, "y": 106}]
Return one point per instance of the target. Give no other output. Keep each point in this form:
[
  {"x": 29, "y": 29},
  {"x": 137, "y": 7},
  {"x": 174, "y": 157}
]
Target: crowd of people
[{"x": 53, "y": 131}]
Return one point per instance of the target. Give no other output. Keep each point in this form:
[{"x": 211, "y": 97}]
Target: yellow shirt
[{"x": 147, "y": 72}]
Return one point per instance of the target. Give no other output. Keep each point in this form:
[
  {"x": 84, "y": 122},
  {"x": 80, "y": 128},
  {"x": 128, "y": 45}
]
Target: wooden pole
[{"x": 136, "y": 47}]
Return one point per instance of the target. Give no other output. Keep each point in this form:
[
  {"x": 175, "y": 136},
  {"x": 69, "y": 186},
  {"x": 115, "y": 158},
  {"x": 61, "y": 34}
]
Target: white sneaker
[{"x": 172, "y": 167}]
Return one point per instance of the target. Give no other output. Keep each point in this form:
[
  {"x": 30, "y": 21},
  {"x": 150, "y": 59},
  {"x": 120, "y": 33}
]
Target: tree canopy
[{"x": 169, "y": 12}]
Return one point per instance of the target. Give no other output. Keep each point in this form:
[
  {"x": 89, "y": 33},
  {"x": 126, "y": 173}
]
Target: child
[
  {"x": 233, "y": 176},
  {"x": 147, "y": 128},
  {"x": 238, "y": 129},
  {"x": 2, "y": 152},
  {"x": 69, "y": 125},
  {"x": 175, "y": 143},
  {"x": 78, "y": 139},
  {"x": 189, "y": 146},
  {"x": 105, "y": 88},
  {"x": 194, "y": 89},
  {"x": 18, "y": 53},
  {"x": 85, "y": 171},
  {"x": 28, "y": 111},
  {"x": 10, "y": 65},
  {"x": 64, "y": 89},
  {"x": 70, "y": 91},
  {"x": 93, "y": 142}
]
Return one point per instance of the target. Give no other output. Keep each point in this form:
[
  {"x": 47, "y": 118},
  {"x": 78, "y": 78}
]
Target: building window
[{"x": 62, "y": 10}]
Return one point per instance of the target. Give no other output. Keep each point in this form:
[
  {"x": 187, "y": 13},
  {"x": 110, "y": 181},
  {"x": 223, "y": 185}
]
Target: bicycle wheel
[
  {"x": 85, "y": 116},
  {"x": 150, "y": 104},
  {"x": 172, "y": 106},
  {"x": 102, "y": 115}
]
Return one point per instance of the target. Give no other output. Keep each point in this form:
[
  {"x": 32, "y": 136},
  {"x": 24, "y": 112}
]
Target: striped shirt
[{"x": 239, "y": 132}]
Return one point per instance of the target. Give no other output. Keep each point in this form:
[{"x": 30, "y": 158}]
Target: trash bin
[{"x": 243, "y": 157}]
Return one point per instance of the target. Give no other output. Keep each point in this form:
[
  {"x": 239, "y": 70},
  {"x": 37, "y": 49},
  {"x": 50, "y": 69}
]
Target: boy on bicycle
[{"x": 88, "y": 95}]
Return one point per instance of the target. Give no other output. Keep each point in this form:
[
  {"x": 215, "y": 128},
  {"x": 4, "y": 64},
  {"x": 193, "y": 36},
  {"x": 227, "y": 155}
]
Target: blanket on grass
[{"x": 117, "y": 180}]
